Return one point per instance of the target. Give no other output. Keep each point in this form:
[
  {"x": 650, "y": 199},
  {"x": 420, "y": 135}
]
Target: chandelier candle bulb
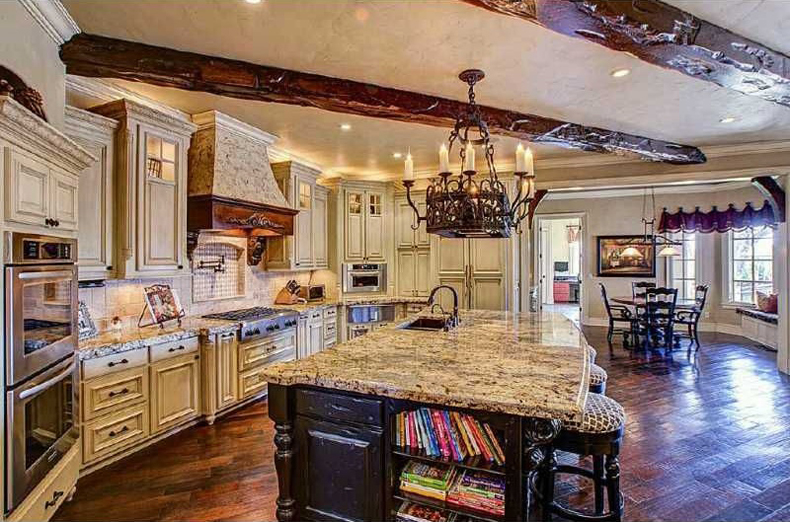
[
  {"x": 409, "y": 170},
  {"x": 529, "y": 162},
  {"x": 444, "y": 159},
  {"x": 521, "y": 160},
  {"x": 469, "y": 160}
]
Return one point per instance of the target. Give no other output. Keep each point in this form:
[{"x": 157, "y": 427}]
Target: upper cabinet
[
  {"x": 365, "y": 211},
  {"x": 40, "y": 173},
  {"x": 96, "y": 193},
  {"x": 307, "y": 248},
  {"x": 413, "y": 248},
  {"x": 405, "y": 235},
  {"x": 150, "y": 176}
]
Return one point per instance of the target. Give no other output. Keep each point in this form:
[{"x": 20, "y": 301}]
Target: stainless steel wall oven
[{"x": 40, "y": 381}]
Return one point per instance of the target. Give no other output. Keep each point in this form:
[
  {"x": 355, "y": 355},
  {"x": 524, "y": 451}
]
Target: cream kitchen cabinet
[
  {"x": 151, "y": 169},
  {"x": 307, "y": 248},
  {"x": 96, "y": 193},
  {"x": 405, "y": 235},
  {"x": 477, "y": 269},
  {"x": 316, "y": 331},
  {"x": 175, "y": 391},
  {"x": 365, "y": 227},
  {"x": 39, "y": 195},
  {"x": 413, "y": 252},
  {"x": 220, "y": 370}
]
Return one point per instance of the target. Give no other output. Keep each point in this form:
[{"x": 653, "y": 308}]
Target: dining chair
[
  {"x": 656, "y": 323},
  {"x": 638, "y": 288},
  {"x": 616, "y": 314},
  {"x": 690, "y": 317}
]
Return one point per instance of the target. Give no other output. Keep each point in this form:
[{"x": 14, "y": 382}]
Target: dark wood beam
[
  {"x": 662, "y": 35},
  {"x": 97, "y": 56},
  {"x": 773, "y": 193}
]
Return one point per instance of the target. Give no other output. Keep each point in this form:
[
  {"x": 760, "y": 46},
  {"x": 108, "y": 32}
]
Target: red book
[
  {"x": 479, "y": 438},
  {"x": 448, "y": 437},
  {"x": 415, "y": 440},
  {"x": 495, "y": 442},
  {"x": 439, "y": 433},
  {"x": 469, "y": 435}
]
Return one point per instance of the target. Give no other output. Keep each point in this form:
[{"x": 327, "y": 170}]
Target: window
[
  {"x": 374, "y": 202},
  {"x": 160, "y": 158},
  {"x": 682, "y": 269},
  {"x": 750, "y": 264}
]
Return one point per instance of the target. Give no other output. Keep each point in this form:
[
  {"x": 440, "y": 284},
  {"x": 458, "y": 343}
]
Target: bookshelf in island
[{"x": 381, "y": 428}]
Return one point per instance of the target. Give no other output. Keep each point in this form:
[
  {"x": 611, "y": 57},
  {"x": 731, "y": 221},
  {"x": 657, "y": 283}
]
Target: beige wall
[
  {"x": 29, "y": 52},
  {"x": 622, "y": 215}
]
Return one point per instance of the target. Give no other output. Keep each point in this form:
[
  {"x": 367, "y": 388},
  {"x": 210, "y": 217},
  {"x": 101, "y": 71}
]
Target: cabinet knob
[
  {"x": 55, "y": 496},
  {"x": 48, "y": 222},
  {"x": 116, "y": 433},
  {"x": 180, "y": 267},
  {"x": 57, "y": 223},
  {"x": 122, "y": 392},
  {"x": 109, "y": 267},
  {"x": 113, "y": 363}
]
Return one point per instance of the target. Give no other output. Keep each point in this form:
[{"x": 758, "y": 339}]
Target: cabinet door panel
[
  {"x": 65, "y": 200},
  {"x": 355, "y": 238},
  {"x": 407, "y": 277},
  {"x": 175, "y": 391},
  {"x": 487, "y": 256},
  {"x": 316, "y": 333},
  {"x": 227, "y": 370},
  {"x": 445, "y": 298},
  {"x": 95, "y": 212},
  {"x": 340, "y": 469},
  {"x": 374, "y": 226},
  {"x": 161, "y": 225},
  {"x": 451, "y": 256},
  {"x": 422, "y": 273},
  {"x": 27, "y": 189},
  {"x": 320, "y": 231},
  {"x": 404, "y": 219},
  {"x": 488, "y": 293},
  {"x": 422, "y": 239},
  {"x": 304, "y": 224}
]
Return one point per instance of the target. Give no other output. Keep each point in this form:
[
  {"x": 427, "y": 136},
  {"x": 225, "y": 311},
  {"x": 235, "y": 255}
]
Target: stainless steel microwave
[{"x": 361, "y": 278}]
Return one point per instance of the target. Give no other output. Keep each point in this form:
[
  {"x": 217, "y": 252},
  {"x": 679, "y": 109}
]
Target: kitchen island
[{"x": 336, "y": 412}]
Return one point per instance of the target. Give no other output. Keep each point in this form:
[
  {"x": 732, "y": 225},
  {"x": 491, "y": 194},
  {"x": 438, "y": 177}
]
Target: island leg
[
  {"x": 281, "y": 412},
  {"x": 539, "y": 455}
]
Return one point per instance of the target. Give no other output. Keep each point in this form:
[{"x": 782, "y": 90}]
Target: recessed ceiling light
[
  {"x": 727, "y": 119},
  {"x": 619, "y": 73},
  {"x": 397, "y": 155},
  {"x": 253, "y": 1},
  {"x": 345, "y": 126}
]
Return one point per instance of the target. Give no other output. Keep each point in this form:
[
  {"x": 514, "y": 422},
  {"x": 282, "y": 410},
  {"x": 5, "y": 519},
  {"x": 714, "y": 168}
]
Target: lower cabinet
[
  {"x": 227, "y": 369},
  {"x": 109, "y": 434},
  {"x": 175, "y": 391},
  {"x": 316, "y": 331},
  {"x": 323, "y": 450}
]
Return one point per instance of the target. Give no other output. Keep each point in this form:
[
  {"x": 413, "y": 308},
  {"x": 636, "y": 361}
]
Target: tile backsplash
[
  {"x": 123, "y": 298},
  {"x": 209, "y": 284}
]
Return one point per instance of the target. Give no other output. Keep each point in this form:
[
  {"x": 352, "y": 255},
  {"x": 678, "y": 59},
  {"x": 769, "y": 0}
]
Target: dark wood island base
[{"x": 336, "y": 458}]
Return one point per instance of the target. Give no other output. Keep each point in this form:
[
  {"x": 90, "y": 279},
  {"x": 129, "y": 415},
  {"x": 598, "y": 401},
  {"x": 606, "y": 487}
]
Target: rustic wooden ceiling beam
[
  {"x": 98, "y": 56},
  {"x": 662, "y": 35}
]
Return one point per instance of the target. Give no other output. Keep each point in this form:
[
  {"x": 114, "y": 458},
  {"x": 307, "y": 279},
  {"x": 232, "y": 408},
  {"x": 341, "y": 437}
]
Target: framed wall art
[{"x": 626, "y": 256}]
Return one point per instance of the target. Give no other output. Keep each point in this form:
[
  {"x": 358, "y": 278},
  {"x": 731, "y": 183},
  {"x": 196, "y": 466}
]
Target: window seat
[{"x": 759, "y": 326}]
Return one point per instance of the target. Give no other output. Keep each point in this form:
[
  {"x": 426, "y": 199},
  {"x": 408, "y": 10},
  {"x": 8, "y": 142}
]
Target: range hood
[{"x": 231, "y": 188}]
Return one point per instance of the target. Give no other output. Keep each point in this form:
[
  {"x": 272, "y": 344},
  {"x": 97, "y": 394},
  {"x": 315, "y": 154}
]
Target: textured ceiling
[{"x": 422, "y": 46}]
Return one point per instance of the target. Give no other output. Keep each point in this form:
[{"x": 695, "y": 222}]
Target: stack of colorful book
[
  {"x": 427, "y": 480},
  {"x": 411, "y": 512},
  {"x": 479, "y": 491},
  {"x": 447, "y": 434}
]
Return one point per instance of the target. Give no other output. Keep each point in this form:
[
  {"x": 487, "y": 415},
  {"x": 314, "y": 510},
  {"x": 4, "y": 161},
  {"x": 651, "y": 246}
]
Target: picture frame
[
  {"x": 611, "y": 262},
  {"x": 162, "y": 305},
  {"x": 86, "y": 328}
]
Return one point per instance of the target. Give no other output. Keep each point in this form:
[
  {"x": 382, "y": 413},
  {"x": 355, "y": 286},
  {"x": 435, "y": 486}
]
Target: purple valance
[{"x": 717, "y": 220}]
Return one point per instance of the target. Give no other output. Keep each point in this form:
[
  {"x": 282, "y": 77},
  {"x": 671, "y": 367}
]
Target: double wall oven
[{"x": 40, "y": 381}]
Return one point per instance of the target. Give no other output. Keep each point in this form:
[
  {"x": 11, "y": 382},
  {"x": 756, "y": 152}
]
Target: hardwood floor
[{"x": 708, "y": 438}]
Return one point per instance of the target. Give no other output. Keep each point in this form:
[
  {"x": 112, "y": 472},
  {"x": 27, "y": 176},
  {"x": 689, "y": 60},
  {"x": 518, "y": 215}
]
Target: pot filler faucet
[{"x": 454, "y": 320}]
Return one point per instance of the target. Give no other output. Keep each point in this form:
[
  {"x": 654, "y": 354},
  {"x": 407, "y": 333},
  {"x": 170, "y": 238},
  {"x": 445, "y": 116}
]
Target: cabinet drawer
[
  {"x": 110, "y": 433},
  {"x": 251, "y": 382},
  {"x": 43, "y": 501},
  {"x": 316, "y": 315},
  {"x": 330, "y": 312},
  {"x": 113, "y": 392},
  {"x": 330, "y": 330},
  {"x": 174, "y": 348},
  {"x": 114, "y": 363},
  {"x": 255, "y": 354},
  {"x": 337, "y": 407}
]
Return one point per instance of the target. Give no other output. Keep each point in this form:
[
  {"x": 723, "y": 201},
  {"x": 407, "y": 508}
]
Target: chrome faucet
[{"x": 454, "y": 320}]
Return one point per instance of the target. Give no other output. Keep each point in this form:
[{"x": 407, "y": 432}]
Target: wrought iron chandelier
[
  {"x": 668, "y": 246},
  {"x": 461, "y": 206}
]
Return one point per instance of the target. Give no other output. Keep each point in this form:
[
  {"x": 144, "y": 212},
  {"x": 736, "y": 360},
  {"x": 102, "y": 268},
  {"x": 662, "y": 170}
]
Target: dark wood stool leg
[
  {"x": 613, "y": 486},
  {"x": 599, "y": 482},
  {"x": 547, "y": 485}
]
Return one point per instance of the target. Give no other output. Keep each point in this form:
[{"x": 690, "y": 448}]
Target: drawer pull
[
  {"x": 116, "y": 433},
  {"x": 51, "y": 503},
  {"x": 114, "y": 363},
  {"x": 180, "y": 347},
  {"x": 122, "y": 392}
]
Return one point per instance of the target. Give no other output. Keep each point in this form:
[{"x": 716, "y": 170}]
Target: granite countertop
[
  {"x": 114, "y": 342},
  {"x": 521, "y": 364}
]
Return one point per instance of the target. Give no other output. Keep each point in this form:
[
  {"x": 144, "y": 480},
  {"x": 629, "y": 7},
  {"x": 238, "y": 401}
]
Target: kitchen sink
[{"x": 425, "y": 323}]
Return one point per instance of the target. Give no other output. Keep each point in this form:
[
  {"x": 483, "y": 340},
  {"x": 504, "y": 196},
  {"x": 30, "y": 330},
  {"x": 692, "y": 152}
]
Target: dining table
[{"x": 682, "y": 304}]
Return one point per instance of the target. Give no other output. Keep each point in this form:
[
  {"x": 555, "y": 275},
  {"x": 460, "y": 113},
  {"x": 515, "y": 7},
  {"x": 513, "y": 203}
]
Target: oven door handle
[
  {"x": 46, "y": 384},
  {"x": 63, "y": 274}
]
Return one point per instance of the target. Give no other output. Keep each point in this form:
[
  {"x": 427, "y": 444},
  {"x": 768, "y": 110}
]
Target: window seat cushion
[{"x": 759, "y": 315}]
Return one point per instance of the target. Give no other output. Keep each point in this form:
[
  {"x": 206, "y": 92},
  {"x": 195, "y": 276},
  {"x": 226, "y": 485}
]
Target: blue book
[
  {"x": 452, "y": 434},
  {"x": 431, "y": 429}
]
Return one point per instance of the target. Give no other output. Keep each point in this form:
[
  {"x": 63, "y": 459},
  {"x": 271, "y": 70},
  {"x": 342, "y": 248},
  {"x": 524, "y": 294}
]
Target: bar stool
[
  {"x": 598, "y": 378},
  {"x": 599, "y": 434}
]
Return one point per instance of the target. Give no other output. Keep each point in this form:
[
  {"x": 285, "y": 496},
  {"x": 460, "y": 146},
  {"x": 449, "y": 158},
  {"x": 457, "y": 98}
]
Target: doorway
[{"x": 559, "y": 264}]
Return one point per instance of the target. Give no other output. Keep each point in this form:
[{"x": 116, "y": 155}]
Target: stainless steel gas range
[{"x": 266, "y": 335}]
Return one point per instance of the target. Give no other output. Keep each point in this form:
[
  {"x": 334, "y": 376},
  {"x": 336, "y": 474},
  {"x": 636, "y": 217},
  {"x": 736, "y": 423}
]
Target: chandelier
[
  {"x": 461, "y": 206},
  {"x": 668, "y": 246}
]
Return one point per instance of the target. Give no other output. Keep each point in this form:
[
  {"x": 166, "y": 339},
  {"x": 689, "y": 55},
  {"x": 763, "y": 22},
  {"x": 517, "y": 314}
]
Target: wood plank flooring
[{"x": 708, "y": 438}]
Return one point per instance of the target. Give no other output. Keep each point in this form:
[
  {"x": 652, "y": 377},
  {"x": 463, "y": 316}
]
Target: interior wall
[
  {"x": 28, "y": 51},
  {"x": 621, "y": 215}
]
